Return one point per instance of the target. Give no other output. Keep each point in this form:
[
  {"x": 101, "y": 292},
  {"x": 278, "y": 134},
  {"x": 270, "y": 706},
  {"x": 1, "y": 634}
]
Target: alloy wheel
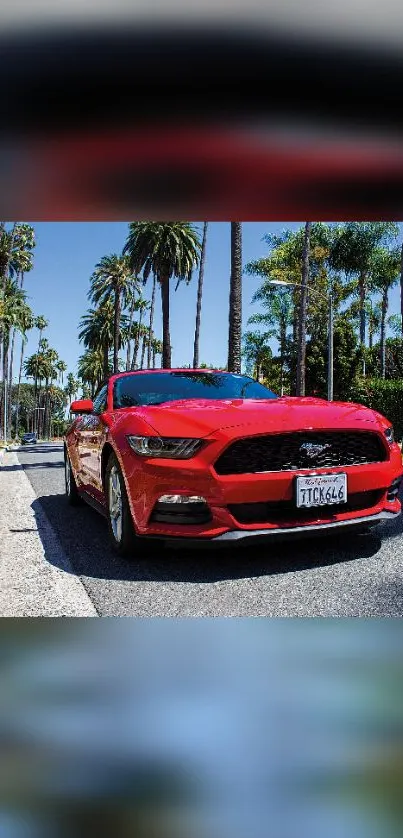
[{"x": 115, "y": 504}]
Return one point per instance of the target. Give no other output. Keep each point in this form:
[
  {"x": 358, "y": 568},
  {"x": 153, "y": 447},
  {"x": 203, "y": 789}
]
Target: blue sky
[{"x": 66, "y": 254}]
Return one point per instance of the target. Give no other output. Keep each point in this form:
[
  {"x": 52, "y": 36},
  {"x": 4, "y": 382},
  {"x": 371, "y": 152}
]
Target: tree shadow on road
[
  {"x": 41, "y": 447},
  {"x": 82, "y": 534},
  {"x": 28, "y": 466}
]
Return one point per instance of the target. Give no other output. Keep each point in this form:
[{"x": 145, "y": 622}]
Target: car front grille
[
  {"x": 294, "y": 451},
  {"x": 277, "y": 512}
]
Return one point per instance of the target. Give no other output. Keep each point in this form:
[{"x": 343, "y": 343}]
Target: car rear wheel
[
  {"x": 122, "y": 534},
  {"x": 72, "y": 493}
]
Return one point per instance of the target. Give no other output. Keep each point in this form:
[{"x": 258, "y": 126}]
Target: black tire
[
  {"x": 123, "y": 538},
  {"x": 72, "y": 493}
]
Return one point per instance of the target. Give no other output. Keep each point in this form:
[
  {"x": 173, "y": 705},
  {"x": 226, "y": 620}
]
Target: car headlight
[
  {"x": 172, "y": 448},
  {"x": 390, "y": 436}
]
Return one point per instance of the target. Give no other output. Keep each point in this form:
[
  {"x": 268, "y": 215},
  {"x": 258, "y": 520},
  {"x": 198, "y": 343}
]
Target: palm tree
[
  {"x": 37, "y": 367},
  {"x": 385, "y": 271},
  {"x": 140, "y": 306},
  {"x": 41, "y": 324},
  {"x": 11, "y": 363},
  {"x": 278, "y": 314},
  {"x": 134, "y": 296},
  {"x": 61, "y": 367},
  {"x": 113, "y": 280},
  {"x": 168, "y": 250},
  {"x": 52, "y": 360},
  {"x": 91, "y": 370},
  {"x": 27, "y": 323},
  {"x": 6, "y": 254},
  {"x": 235, "y": 300},
  {"x": 72, "y": 385},
  {"x": 352, "y": 252},
  {"x": 199, "y": 297},
  {"x": 151, "y": 320},
  {"x": 146, "y": 343},
  {"x": 138, "y": 331},
  {"x": 23, "y": 259},
  {"x": 136, "y": 300},
  {"x": 13, "y": 311},
  {"x": 97, "y": 331},
  {"x": 156, "y": 350}
]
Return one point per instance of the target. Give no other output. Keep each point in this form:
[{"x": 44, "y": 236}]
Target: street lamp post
[{"x": 329, "y": 300}]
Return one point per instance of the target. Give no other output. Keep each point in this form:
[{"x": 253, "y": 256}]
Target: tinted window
[
  {"x": 100, "y": 400},
  {"x": 159, "y": 388}
]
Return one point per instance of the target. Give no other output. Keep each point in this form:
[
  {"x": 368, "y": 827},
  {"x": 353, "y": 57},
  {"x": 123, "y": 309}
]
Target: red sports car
[{"x": 214, "y": 457}]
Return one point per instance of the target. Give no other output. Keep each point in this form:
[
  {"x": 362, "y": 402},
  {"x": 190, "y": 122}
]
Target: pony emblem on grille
[{"x": 313, "y": 449}]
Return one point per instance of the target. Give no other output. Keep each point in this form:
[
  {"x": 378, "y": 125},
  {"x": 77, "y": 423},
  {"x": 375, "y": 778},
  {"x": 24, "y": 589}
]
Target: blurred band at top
[{"x": 254, "y": 111}]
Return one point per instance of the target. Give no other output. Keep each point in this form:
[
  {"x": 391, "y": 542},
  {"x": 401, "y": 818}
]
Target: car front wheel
[{"x": 122, "y": 535}]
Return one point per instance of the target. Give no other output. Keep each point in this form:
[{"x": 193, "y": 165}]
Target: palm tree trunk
[
  {"x": 199, "y": 298},
  {"x": 151, "y": 322},
  {"x": 235, "y": 300},
  {"x": 116, "y": 331},
  {"x": 166, "y": 337},
  {"x": 10, "y": 382},
  {"x": 17, "y": 401},
  {"x": 131, "y": 315},
  {"x": 383, "y": 332},
  {"x": 153, "y": 357},
  {"x": 301, "y": 366},
  {"x": 136, "y": 344},
  {"x": 2, "y": 297},
  {"x": 36, "y": 414},
  {"x": 6, "y": 337}
]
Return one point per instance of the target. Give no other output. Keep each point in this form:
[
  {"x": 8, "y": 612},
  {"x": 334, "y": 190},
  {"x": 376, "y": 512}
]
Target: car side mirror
[{"x": 82, "y": 406}]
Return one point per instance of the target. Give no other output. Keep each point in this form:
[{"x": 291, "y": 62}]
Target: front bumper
[
  {"x": 235, "y": 537},
  {"x": 226, "y": 495}
]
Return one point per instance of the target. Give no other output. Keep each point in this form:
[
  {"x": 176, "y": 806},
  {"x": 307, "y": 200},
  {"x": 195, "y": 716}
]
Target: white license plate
[{"x": 321, "y": 490}]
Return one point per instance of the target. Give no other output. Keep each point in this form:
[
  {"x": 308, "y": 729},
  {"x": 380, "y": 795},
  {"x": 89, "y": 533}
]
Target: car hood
[{"x": 200, "y": 418}]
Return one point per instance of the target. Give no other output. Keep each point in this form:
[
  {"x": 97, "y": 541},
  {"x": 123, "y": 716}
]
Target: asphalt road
[{"x": 339, "y": 576}]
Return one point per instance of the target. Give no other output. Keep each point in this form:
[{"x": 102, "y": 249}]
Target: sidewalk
[{"x": 30, "y": 584}]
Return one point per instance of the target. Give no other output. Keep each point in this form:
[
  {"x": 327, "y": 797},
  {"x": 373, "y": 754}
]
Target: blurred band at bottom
[{"x": 213, "y": 729}]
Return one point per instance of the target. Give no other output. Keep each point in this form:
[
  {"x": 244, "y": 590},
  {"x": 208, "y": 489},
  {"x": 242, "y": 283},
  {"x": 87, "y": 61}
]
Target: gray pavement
[{"x": 338, "y": 576}]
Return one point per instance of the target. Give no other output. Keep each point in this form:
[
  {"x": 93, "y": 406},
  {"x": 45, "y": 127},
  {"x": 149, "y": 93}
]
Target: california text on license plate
[{"x": 321, "y": 490}]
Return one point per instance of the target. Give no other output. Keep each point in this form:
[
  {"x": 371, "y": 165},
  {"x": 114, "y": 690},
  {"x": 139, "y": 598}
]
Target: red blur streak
[{"x": 245, "y": 174}]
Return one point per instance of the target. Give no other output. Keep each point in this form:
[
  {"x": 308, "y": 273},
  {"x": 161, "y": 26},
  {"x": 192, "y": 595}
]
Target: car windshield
[{"x": 159, "y": 388}]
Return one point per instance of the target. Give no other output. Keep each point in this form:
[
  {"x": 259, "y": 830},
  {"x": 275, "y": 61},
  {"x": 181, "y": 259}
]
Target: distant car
[
  {"x": 29, "y": 439},
  {"x": 212, "y": 457}
]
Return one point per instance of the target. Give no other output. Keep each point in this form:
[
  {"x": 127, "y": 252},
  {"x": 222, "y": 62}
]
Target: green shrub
[{"x": 384, "y": 396}]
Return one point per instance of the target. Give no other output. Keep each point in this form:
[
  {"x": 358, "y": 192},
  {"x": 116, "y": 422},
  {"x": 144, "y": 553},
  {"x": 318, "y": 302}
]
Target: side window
[{"x": 100, "y": 401}]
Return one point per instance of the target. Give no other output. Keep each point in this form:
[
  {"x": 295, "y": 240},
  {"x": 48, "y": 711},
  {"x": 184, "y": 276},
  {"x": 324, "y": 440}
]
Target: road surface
[{"x": 338, "y": 576}]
